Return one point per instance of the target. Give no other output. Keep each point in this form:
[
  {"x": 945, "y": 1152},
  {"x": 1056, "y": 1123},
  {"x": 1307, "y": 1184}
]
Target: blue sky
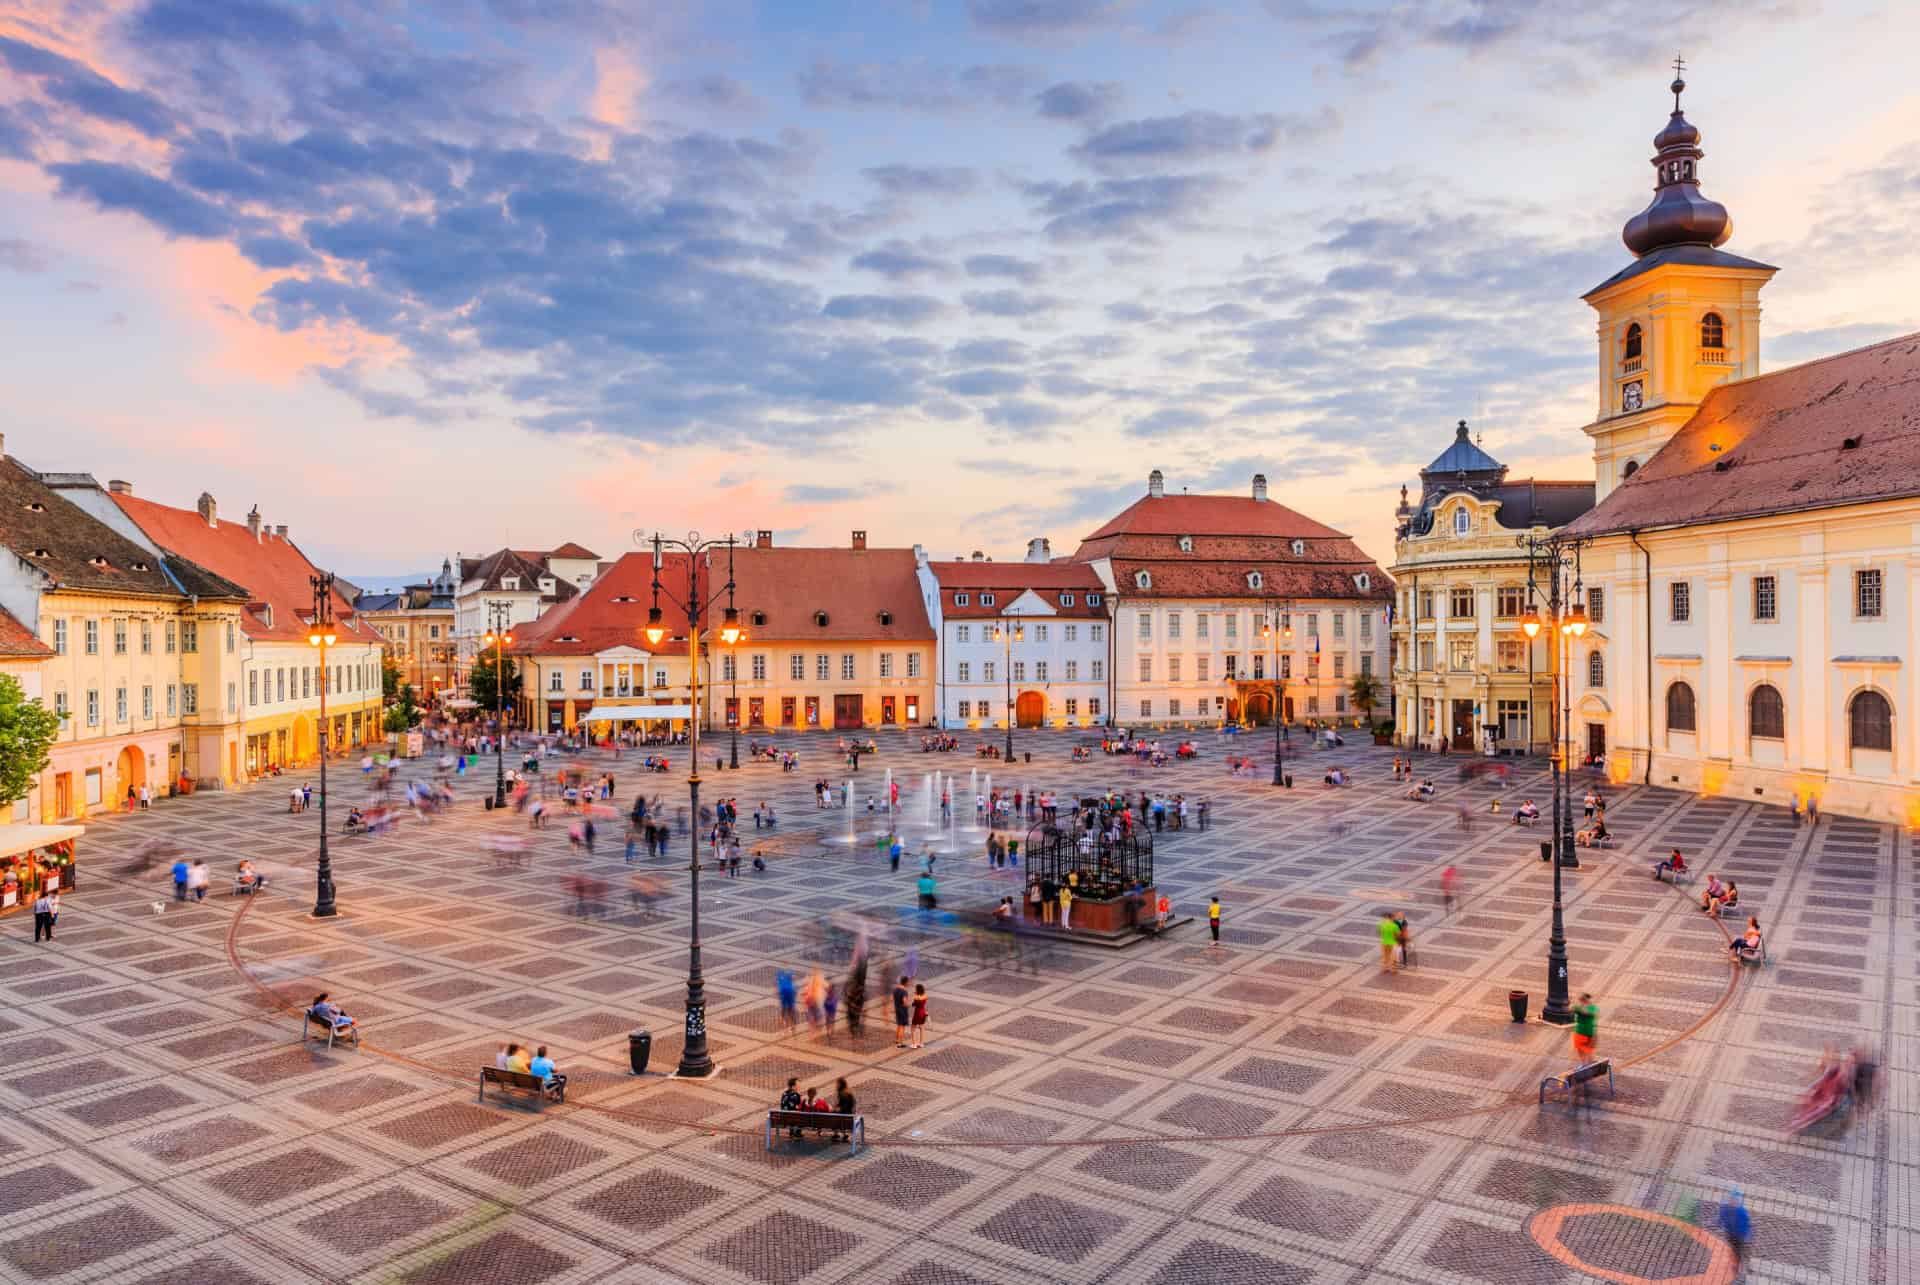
[{"x": 441, "y": 276}]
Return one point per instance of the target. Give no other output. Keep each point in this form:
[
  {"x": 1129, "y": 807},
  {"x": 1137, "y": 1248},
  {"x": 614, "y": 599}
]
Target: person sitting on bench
[
  {"x": 1422, "y": 791},
  {"x": 1729, "y": 898},
  {"x": 1673, "y": 865},
  {"x": 1748, "y": 945},
  {"x": 1598, "y": 834},
  {"x": 542, "y": 1067},
  {"x": 792, "y": 1101},
  {"x": 248, "y": 879},
  {"x": 323, "y": 1011},
  {"x": 1526, "y": 813}
]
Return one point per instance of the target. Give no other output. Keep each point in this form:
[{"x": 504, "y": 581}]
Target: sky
[{"x": 434, "y": 277}]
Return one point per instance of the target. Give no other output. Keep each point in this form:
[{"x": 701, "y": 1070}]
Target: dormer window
[
  {"x": 1066, "y": 600},
  {"x": 1093, "y": 600},
  {"x": 1255, "y": 580},
  {"x": 1462, "y": 520},
  {"x": 886, "y": 618},
  {"x": 509, "y": 582},
  {"x": 1299, "y": 547},
  {"x": 141, "y": 566},
  {"x": 43, "y": 553},
  {"x": 99, "y": 560},
  {"x": 987, "y": 600},
  {"x": 1363, "y": 581},
  {"x": 820, "y": 619},
  {"x": 1186, "y": 544},
  {"x": 1635, "y": 340},
  {"x": 34, "y": 506},
  {"x": 546, "y": 584},
  {"x": 759, "y": 619},
  {"x": 961, "y": 599},
  {"x": 1143, "y": 579}
]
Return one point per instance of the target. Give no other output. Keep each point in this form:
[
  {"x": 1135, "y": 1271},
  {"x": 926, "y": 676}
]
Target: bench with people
[
  {"x": 1422, "y": 793},
  {"x": 1718, "y": 896},
  {"x": 798, "y": 1112},
  {"x": 247, "y": 880},
  {"x": 1526, "y": 814},
  {"x": 1750, "y": 947},
  {"x": 1674, "y": 869},
  {"x": 332, "y": 1021},
  {"x": 534, "y": 1074}
]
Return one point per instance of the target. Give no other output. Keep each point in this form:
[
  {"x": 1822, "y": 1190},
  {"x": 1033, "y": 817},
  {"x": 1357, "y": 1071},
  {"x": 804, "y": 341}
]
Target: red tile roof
[
  {"x": 1006, "y": 581},
  {"x": 1178, "y": 515},
  {"x": 271, "y": 568},
  {"x": 17, "y": 641},
  {"x": 529, "y": 565},
  {"x": 1783, "y": 440},
  {"x": 572, "y": 550},
  {"x": 785, "y": 586}
]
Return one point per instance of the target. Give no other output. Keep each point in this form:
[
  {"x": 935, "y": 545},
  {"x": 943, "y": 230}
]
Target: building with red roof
[
  {"x": 281, "y": 675},
  {"x": 832, "y": 638},
  {"x": 511, "y": 588},
  {"x": 1227, "y": 607},
  {"x": 1029, "y": 639}
]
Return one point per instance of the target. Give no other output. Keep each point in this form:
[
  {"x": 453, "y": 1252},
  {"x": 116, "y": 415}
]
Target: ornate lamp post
[
  {"x": 695, "y": 1061},
  {"x": 1003, "y": 632},
  {"x": 1275, "y": 636},
  {"x": 322, "y": 635},
  {"x": 733, "y": 700},
  {"x": 1556, "y": 560},
  {"x": 498, "y": 638}
]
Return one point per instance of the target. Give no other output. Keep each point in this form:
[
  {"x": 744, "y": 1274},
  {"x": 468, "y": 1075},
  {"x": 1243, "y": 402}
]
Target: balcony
[
  {"x": 1632, "y": 365},
  {"x": 1713, "y": 356}
]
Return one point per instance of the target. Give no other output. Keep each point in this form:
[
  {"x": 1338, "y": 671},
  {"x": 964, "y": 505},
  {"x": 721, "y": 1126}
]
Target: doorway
[
  {"x": 1596, "y": 742},
  {"x": 1462, "y": 728},
  {"x": 1260, "y": 708},
  {"x": 1030, "y": 709},
  {"x": 886, "y": 710},
  {"x": 847, "y": 711},
  {"x": 130, "y": 773}
]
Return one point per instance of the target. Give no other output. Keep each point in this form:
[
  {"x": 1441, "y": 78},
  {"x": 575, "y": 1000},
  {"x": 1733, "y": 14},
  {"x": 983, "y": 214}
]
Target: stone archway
[
  {"x": 1030, "y": 709},
  {"x": 1260, "y": 708},
  {"x": 302, "y": 740},
  {"x": 130, "y": 772}
]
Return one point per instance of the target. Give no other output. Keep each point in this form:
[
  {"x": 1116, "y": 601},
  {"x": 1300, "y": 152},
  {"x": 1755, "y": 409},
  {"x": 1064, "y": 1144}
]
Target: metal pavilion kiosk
[{"x": 1113, "y": 877}]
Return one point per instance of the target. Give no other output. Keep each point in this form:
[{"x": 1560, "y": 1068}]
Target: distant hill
[{"x": 389, "y": 583}]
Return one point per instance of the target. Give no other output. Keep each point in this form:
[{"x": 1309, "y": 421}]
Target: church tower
[{"x": 1681, "y": 318}]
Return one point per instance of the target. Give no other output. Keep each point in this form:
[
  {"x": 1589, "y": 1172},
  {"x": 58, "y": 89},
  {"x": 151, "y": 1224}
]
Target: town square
[{"x": 954, "y": 643}]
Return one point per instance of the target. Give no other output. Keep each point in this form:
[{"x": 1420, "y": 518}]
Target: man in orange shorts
[{"x": 1586, "y": 1027}]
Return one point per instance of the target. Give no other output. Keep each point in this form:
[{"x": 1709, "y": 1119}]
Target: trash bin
[
  {"x": 1546, "y": 849},
  {"x": 487, "y": 802},
  {"x": 1289, "y": 782},
  {"x": 1517, "y": 1005},
  {"x": 639, "y": 1049}
]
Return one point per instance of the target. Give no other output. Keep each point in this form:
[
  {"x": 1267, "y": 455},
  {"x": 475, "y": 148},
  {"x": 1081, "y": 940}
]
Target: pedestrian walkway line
[{"x": 1507, "y": 1102}]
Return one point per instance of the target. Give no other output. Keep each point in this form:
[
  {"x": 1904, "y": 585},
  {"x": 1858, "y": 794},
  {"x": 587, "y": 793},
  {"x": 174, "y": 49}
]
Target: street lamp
[
  {"x": 322, "y": 635},
  {"x": 1555, "y": 558},
  {"x": 695, "y": 1061},
  {"x": 1275, "y": 636},
  {"x": 732, "y": 622},
  {"x": 1003, "y": 633},
  {"x": 497, "y": 638}
]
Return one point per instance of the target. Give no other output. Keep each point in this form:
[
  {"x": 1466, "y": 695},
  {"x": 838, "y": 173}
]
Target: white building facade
[{"x": 1028, "y": 640}]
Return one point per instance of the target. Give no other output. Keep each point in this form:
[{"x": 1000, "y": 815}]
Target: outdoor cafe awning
[
  {"x": 16, "y": 839},
  {"x": 459, "y": 702},
  {"x": 626, "y": 713}
]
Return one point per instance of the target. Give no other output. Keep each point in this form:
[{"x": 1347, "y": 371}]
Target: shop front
[{"x": 35, "y": 859}]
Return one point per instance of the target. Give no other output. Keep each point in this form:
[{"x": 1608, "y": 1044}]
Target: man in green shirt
[
  {"x": 1389, "y": 939},
  {"x": 1586, "y": 1027}
]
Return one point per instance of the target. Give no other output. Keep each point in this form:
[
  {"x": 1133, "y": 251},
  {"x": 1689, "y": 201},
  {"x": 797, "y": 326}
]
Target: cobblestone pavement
[{"x": 1275, "y": 1109}]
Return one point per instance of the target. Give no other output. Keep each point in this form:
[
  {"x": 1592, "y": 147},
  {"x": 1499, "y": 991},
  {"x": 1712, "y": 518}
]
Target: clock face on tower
[{"x": 1630, "y": 396}]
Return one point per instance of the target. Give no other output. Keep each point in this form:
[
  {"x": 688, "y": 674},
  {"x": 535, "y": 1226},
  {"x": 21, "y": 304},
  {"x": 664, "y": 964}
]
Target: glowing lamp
[
  {"x": 655, "y": 630},
  {"x": 730, "y": 629},
  {"x": 1531, "y": 623}
]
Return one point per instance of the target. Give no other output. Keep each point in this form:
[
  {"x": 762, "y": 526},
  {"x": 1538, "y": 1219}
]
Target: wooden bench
[
  {"x": 521, "y": 1082},
  {"x": 334, "y": 1035},
  {"x": 1578, "y": 1078},
  {"x": 853, "y": 1127}
]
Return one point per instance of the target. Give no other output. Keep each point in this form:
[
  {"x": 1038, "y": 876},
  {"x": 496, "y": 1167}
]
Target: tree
[
  {"x": 1365, "y": 690},
  {"x": 480, "y": 681},
  {"x": 389, "y": 676},
  {"x": 27, "y": 729},
  {"x": 404, "y": 714}
]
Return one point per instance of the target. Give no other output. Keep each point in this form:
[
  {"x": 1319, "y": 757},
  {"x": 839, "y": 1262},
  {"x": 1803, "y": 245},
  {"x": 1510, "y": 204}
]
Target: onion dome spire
[{"x": 1678, "y": 214}]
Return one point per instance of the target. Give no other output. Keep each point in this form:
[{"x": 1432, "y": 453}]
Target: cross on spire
[{"x": 1679, "y": 83}]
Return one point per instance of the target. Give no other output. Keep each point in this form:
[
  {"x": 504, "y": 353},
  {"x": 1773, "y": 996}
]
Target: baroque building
[
  {"x": 1462, "y": 669},
  {"x": 416, "y": 626},
  {"x": 1754, "y": 544}
]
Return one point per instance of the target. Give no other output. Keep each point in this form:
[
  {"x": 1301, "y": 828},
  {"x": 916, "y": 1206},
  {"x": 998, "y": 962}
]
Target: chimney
[
  {"x": 117, "y": 487},
  {"x": 1259, "y": 486},
  {"x": 253, "y": 523},
  {"x": 859, "y": 539},
  {"x": 1156, "y": 485},
  {"x": 209, "y": 512},
  {"x": 281, "y": 530},
  {"x": 979, "y": 556},
  {"x": 763, "y": 539},
  {"x": 1039, "y": 550}
]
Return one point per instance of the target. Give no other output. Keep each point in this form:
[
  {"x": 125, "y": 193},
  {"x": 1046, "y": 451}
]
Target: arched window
[
  {"x": 1462, "y": 520},
  {"x": 1766, "y": 713},
  {"x": 1143, "y": 579},
  {"x": 1255, "y": 580},
  {"x": 1632, "y": 352},
  {"x": 1633, "y": 466},
  {"x": 1870, "y": 722},
  {"x": 1680, "y": 708},
  {"x": 1596, "y": 668},
  {"x": 1713, "y": 331}
]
